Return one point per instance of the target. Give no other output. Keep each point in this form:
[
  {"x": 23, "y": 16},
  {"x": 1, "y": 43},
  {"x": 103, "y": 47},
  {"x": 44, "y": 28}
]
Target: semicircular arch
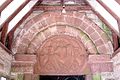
[{"x": 75, "y": 19}]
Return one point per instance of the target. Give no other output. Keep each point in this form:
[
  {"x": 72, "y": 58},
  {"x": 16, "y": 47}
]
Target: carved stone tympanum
[{"x": 61, "y": 55}]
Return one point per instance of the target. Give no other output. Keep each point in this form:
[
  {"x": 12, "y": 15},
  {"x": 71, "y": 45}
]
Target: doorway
[{"x": 71, "y": 77}]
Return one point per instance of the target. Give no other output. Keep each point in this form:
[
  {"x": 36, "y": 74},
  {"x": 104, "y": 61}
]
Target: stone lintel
[
  {"x": 100, "y": 63},
  {"x": 25, "y": 57},
  {"x": 23, "y": 63},
  {"x": 99, "y": 58}
]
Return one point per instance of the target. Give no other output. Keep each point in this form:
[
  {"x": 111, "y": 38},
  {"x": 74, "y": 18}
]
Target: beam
[
  {"x": 115, "y": 41},
  {"x": 118, "y": 1},
  {"x": 13, "y": 13},
  {"x": 10, "y": 35},
  {"x": 5, "y": 4},
  {"x": 6, "y": 49},
  {"x": 116, "y": 52},
  {"x": 118, "y": 24},
  {"x": 104, "y": 15},
  {"x": 21, "y": 14},
  {"x": 114, "y": 14},
  {"x": 2, "y": 2},
  {"x": 17, "y": 21},
  {"x": 6, "y": 23},
  {"x": 9, "y": 10},
  {"x": 57, "y": 7}
]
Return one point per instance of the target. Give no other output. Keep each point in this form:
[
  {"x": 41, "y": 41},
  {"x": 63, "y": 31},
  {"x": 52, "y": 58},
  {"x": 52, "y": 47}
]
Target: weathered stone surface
[
  {"x": 23, "y": 57},
  {"x": 5, "y": 61},
  {"x": 100, "y": 63},
  {"x": 108, "y": 76},
  {"x": 22, "y": 67},
  {"x": 62, "y": 55},
  {"x": 47, "y": 19},
  {"x": 116, "y": 66},
  {"x": 60, "y": 30},
  {"x": 98, "y": 42},
  {"x": 99, "y": 58},
  {"x": 90, "y": 30},
  {"x": 23, "y": 63},
  {"x": 101, "y": 67}
]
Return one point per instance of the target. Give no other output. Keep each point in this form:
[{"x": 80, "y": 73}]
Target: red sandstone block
[
  {"x": 41, "y": 37},
  {"x": 41, "y": 16},
  {"x": 31, "y": 49},
  {"x": 108, "y": 67},
  {"x": 99, "y": 42},
  {"x": 46, "y": 15},
  {"x": 73, "y": 21},
  {"x": 101, "y": 67},
  {"x": 99, "y": 58},
  {"x": 87, "y": 21},
  {"x": 92, "y": 50},
  {"x": 83, "y": 26},
  {"x": 70, "y": 20},
  {"x": 90, "y": 30},
  {"x": 50, "y": 20},
  {"x": 25, "y": 40},
  {"x": 69, "y": 14},
  {"x": 105, "y": 37},
  {"x": 94, "y": 36},
  {"x": 39, "y": 25},
  {"x": 34, "y": 29},
  {"x": 29, "y": 35},
  {"x": 37, "y": 18},
  {"x": 53, "y": 14},
  {"x": 44, "y": 23},
  {"x": 78, "y": 22},
  {"x": 21, "y": 49},
  {"x": 61, "y": 29},
  {"x": 102, "y": 49},
  {"x": 79, "y": 15},
  {"x": 95, "y": 68},
  {"x": 95, "y": 25},
  {"x": 37, "y": 40},
  {"x": 59, "y": 18},
  {"x": 25, "y": 57},
  {"x": 89, "y": 44},
  {"x": 29, "y": 24},
  {"x": 47, "y": 33}
]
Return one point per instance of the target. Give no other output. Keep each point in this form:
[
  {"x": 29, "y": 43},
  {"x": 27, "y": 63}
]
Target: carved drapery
[{"x": 62, "y": 55}]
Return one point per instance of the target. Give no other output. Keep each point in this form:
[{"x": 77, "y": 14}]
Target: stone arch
[
  {"x": 61, "y": 30},
  {"x": 74, "y": 19}
]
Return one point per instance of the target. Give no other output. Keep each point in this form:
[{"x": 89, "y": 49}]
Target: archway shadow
[{"x": 68, "y": 77}]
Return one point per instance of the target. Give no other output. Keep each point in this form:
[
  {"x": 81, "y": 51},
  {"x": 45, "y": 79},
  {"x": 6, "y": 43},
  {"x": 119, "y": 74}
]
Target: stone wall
[
  {"x": 22, "y": 67},
  {"x": 101, "y": 67},
  {"x": 116, "y": 65},
  {"x": 5, "y": 61},
  {"x": 23, "y": 64}
]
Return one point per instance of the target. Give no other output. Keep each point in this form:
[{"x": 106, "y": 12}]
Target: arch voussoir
[{"x": 42, "y": 26}]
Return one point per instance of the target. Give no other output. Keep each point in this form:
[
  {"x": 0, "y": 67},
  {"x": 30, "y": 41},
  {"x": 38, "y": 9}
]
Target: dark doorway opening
[{"x": 81, "y": 77}]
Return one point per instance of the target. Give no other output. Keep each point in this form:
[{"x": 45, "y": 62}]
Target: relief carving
[{"x": 61, "y": 55}]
